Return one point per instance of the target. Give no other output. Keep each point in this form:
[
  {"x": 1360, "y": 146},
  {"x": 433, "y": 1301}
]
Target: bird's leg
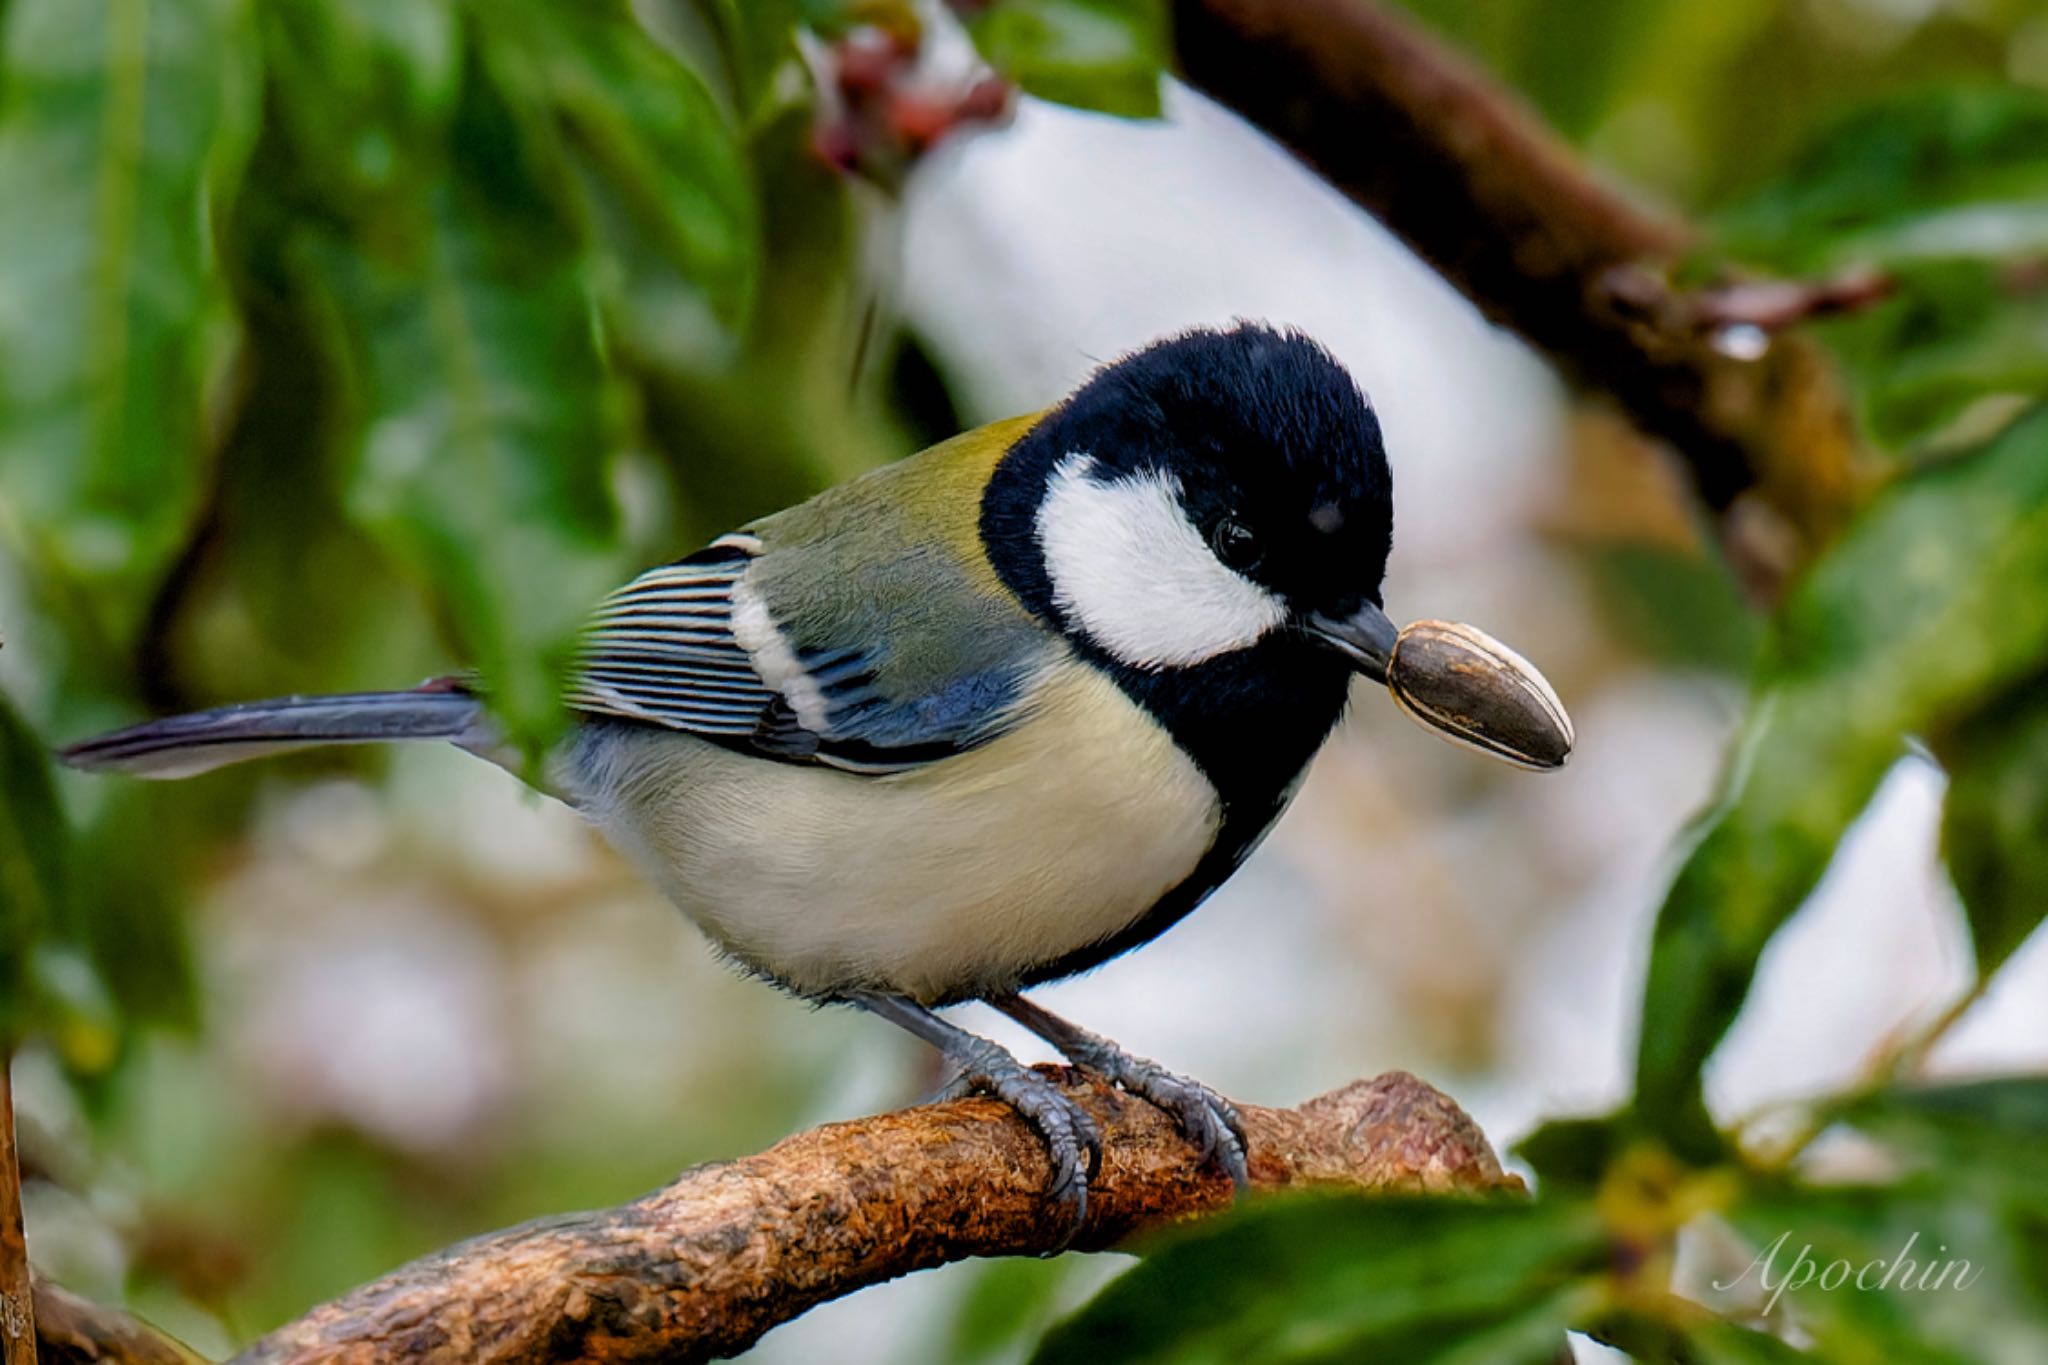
[
  {"x": 1071, "y": 1137},
  {"x": 1209, "y": 1120}
]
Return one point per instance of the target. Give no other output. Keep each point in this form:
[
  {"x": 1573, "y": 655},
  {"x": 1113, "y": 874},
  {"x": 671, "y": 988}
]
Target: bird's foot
[
  {"x": 1072, "y": 1140},
  {"x": 1209, "y": 1121}
]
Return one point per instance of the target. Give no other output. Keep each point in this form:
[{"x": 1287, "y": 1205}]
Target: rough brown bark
[
  {"x": 1478, "y": 187},
  {"x": 17, "y": 1299},
  {"x": 73, "y": 1331},
  {"x": 704, "y": 1266}
]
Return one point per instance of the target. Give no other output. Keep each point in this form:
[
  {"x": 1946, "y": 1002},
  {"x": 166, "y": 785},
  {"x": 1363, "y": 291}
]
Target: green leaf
[
  {"x": 137, "y": 860},
  {"x": 1575, "y": 1153},
  {"x": 125, "y": 122},
  {"x": 1943, "y": 173},
  {"x": 1680, "y": 608},
  {"x": 1726, "y": 1343},
  {"x": 362, "y": 90},
  {"x": 34, "y": 857},
  {"x": 1994, "y": 828},
  {"x": 1947, "y": 190},
  {"x": 493, "y": 425},
  {"x": 757, "y": 41},
  {"x": 1989, "y": 1133},
  {"x": 834, "y": 19},
  {"x": 1927, "y": 606},
  {"x": 1345, "y": 1278},
  {"x": 1105, "y": 55},
  {"x": 1009, "y": 1300},
  {"x": 1945, "y": 1275},
  {"x": 1572, "y": 58},
  {"x": 645, "y": 125},
  {"x": 1957, "y": 333},
  {"x": 1690, "y": 1334}
]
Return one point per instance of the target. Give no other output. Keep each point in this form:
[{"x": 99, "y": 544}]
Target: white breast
[{"x": 952, "y": 879}]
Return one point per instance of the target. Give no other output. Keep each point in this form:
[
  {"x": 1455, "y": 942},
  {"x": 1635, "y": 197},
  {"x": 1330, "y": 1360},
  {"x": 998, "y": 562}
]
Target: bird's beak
[{"x": 1366, "y": 637}]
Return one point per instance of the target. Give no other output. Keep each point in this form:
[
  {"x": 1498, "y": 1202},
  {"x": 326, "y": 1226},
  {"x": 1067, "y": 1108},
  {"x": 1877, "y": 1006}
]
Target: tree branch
[
  {"x": 74, "y": 1331},
  {"x": 704, "y": 1266},
  {"x": 1478, "y": 187},
  {"x": 17, "y": 1300}
]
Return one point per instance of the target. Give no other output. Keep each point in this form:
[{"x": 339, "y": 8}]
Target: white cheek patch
[{"x": 1130, "y": 569}]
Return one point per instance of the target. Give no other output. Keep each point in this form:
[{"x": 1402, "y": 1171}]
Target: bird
[{"x": 978, "y": 720}]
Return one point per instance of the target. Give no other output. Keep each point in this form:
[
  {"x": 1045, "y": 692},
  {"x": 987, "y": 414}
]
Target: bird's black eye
[{"x": 1235, "y": 544}]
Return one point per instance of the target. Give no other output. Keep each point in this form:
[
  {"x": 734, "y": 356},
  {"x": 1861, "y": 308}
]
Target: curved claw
[
  {"x": 1069, "y": 1131},
  {"x": 1209, "y": 1121},
  {"x": 985, "y": 1067},
  {"x": 1090, "y": 1135}
]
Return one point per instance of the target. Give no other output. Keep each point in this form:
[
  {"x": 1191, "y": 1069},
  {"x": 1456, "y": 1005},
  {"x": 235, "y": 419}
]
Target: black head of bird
[{"x": 1217, "y": 492}]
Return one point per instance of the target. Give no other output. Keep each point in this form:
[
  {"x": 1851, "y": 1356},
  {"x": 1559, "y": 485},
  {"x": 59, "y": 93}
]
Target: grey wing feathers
[
  {"x": 664, "y": 651},
  {"x": 661, "y": 650}
]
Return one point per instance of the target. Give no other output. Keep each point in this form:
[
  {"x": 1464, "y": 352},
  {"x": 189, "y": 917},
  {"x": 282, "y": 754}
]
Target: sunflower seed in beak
[{"x": 1471, "y": 688}]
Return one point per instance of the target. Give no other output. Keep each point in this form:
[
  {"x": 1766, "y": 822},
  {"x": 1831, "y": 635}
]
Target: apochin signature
[{"x": 1898, "y": 1272}]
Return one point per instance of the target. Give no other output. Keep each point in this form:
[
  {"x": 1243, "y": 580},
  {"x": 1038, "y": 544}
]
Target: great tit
[{"x": 983, "y": 718}]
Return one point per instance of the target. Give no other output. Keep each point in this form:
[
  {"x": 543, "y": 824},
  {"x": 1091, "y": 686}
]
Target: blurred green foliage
[
  {"x": 1947, "y": 191},
  {"x": 35, "y": 849},
  {"x": 123, "y": 130},
  {"x": 331, "y": 331},
  {"x": 1931, "y": 604},
  {"x": 1097, "y": 54},
  {"x": 1434, "y": 1280},
  {"x": 1993, "y": 819}
]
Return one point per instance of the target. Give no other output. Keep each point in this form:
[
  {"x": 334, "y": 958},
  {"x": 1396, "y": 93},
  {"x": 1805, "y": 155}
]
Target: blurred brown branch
[
  {"x": 1474, "y": 183},
  {"x": 17, "y": 1302},
  {"x": 704, "y": 1266},
  {"x": 1772, "y": 305},
  {"x": 73, "y": 1331}
]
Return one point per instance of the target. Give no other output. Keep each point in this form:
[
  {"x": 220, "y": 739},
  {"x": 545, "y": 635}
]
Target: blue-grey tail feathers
[{"x": 180, "y": 746}]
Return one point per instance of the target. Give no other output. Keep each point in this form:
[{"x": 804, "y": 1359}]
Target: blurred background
[{"x": 344, "y": 344}]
